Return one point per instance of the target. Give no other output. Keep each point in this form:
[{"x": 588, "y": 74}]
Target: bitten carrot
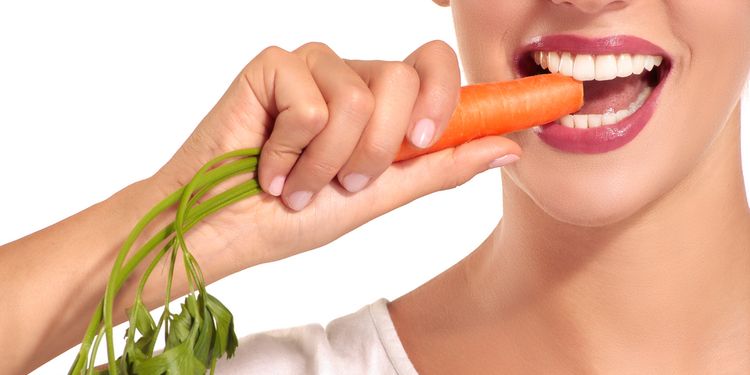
[{"x": 503, "y": 107}]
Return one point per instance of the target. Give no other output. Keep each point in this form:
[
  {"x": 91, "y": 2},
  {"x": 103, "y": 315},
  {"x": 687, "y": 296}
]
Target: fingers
[
  {"x": 303, "y": 114},
  {"x": 395, "y": 86},
  {"x": 350, "y": 105},
  {"x": 348, "y": 117},
  {"x": 440, "y": 82}
]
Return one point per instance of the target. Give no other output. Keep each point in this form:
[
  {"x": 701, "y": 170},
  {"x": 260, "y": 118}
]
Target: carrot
[{"x": 503, "y": 107}]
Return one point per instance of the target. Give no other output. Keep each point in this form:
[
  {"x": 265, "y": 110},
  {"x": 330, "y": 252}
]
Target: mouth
[{"x": 622, "y": 78}]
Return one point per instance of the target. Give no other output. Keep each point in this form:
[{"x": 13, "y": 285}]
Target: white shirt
[{"x": 363, "y": 342}]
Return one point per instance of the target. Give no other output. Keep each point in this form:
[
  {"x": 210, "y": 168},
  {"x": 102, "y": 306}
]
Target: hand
[{"x": 330, "y": 129}]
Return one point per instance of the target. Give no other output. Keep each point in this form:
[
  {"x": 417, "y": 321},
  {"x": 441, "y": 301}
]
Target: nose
[{"x": 592, "y": 6}]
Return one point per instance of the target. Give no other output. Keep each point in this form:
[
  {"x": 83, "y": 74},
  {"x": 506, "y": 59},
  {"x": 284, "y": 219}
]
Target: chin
[
  {"x": 593, "y": 201},
  {"x": 593, "y": 214}
]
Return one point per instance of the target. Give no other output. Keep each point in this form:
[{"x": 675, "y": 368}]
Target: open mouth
[
  {"x": 621, "y": 79},
  {"x": 614, "y": 85}
]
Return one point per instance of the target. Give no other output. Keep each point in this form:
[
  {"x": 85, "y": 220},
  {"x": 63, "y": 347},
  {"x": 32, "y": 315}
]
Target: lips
[{"x": 622, "y": 75}]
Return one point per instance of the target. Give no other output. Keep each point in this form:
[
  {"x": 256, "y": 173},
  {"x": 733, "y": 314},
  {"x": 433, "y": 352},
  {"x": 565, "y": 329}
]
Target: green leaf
[
  {"x": 142, "y": 346},
  {"x": 179, "y": 328},
  {"x": 177, "y": 360},
  {"x": 203, "y": 343},
  {"x": 141, "y": 322},
  {"x": 144, "y": 322},
  {"x": 225, "y": 338},
  {"x": 192, "y": 306}
]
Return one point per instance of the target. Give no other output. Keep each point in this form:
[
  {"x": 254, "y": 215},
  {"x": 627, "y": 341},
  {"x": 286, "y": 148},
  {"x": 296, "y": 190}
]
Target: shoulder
[{"x": 363, "y": 342}]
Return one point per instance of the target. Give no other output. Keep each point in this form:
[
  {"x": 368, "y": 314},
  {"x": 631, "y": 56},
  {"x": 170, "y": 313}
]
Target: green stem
[
  {"x": 112, "y": 289},
  {"x": 167, "y": 299},
  {"x": 204, "y": 181},
  {"x": 94, "y": 350},
  {"x": 130, "y": 333}
]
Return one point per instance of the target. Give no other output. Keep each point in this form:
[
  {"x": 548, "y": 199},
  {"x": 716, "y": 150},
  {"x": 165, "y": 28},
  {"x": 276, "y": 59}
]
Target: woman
[{"x": 623, "y": 247}]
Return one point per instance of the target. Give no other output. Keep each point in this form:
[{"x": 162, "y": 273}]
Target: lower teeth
[{"x": 610, "y": 117}]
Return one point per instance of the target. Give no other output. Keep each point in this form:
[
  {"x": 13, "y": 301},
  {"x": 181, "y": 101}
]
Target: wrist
[{"x": 204, "y": 240}]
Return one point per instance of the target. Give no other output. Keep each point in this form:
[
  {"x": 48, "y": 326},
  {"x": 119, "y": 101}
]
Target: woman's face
[{"x": 587, "y": 176}]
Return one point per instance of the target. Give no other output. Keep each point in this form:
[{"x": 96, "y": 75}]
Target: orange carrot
[{"x": 503, "y": 107}]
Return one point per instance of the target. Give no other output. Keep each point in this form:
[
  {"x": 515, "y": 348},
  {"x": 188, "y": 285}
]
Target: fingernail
[
  {"x": 277, "y": 184},
  {"x": 355, "y": 182},
  {"x": 299, "y": 199},
  {"x": 504, "y": 160},
  {"x": 422, "y": 133}
]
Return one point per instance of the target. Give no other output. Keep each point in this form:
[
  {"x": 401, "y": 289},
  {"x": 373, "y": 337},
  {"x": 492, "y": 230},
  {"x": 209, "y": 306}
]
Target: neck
[{"x": 672, "y": 280}]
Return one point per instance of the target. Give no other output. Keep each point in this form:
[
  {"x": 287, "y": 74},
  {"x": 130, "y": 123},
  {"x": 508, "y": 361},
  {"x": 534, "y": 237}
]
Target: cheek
[
  {"x": 485, "y": 30},
  {"x": 714, "y": 70}
]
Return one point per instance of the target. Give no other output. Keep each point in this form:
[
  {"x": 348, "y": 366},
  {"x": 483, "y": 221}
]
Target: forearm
[{"x": 54, "y": 279}]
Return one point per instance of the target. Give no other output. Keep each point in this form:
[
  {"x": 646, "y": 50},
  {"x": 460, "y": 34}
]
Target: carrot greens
[{"x": 203, "y": 330}]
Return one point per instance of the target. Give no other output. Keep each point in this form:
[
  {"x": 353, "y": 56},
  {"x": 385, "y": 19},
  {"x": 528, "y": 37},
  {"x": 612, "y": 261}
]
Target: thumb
[{"x": 408, "y": 180}]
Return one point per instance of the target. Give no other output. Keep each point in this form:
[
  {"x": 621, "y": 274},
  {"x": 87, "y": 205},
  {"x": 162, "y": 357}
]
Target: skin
[
  {"x": 633, "y": 261},
  {"x": 600, "y": 264}
]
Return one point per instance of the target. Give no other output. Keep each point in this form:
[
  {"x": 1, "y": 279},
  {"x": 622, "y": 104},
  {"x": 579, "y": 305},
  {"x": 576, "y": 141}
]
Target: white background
[{"x": 95, "y": 96}]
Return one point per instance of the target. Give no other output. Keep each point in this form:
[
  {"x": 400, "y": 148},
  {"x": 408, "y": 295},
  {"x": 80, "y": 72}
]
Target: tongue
[{"x": 611, "y": 96}]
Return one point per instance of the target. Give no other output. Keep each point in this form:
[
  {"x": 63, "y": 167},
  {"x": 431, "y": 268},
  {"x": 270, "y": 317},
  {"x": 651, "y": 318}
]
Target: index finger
[{"x": 440, "y": 83}]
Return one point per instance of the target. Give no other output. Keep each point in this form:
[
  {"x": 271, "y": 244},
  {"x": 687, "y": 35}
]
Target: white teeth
[
  {"x": 606, "y": 67},
  {"x": 553, "y": 62},
  {"x": 625, "y": 65},
  {"x": 566, "y": 64},
  {"x": 595, "y": 120},
  {"x": 581, "y": 121},
  {"x": 567, "y": 120},
  {"x": 583, "y": 68},
  {"x": 638, "y": 61},
  {"x": 649, "y": 62},
  {"x": 621, "y": 114},
  {"x": 586, "y": 67},
  {"x": 609, "y": 117}
]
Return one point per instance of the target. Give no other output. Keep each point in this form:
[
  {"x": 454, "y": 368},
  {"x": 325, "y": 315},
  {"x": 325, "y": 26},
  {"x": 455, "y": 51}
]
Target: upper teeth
[{"x": 585, "y": 67}]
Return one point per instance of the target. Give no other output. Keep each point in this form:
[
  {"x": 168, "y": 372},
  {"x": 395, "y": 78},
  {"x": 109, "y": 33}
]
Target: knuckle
[
  {"x": 445, "y": 95},
  {"x": 454, "y": 183},
  {"x": 377, "y": 151},
  {"x": 279, "y": 151},
  {"x": 360, "y": 101},
  {"x": 451, "y": 180},
  {"x": 314, "y": 117},
  {"x": 442, "y": 97},
  {"x": 314, "y": 45},
  {"x": 273, "y": 53},
  {"x": 322, "y": 168},
  {"x": 313, "y": 49},
  {"x": 401, "y": 72},
  {"x": 440, "y": 48}
]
